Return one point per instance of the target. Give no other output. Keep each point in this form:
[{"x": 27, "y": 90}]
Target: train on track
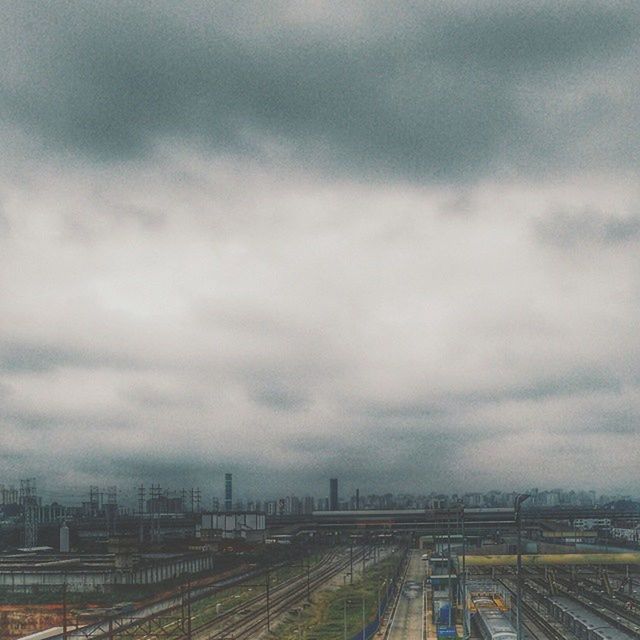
[
  {"x": 493, "y": 623},
  {"x": 584, "y": 624}
]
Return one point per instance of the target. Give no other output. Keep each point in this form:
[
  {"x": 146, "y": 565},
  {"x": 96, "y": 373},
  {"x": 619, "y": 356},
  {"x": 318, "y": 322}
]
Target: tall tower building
[
  {"x": 333, "y": 494},
  {"x": 228, "y": 492}
]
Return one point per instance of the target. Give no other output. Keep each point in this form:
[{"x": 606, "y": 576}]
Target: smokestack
[{"x": 228, "y": 492}]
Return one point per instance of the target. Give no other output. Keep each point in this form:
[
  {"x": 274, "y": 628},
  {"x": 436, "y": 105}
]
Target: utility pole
[
  {"x": 268, "y": 602},
  {"x": 189, "y": 607},
  {"x": 29, "y": 502},
  {"x": 465, "y": 630},
  {"x": 141, "y": 492},
  {"x": 156, "y": 492},
  {"x": 449, "y": 567},
  {"x": 64, "y": 610},
  {"x": 182, "y": 607},
  {"x": 351, "y": 562},
  {"x": 517, "y": 506},
  {"x": 345, "y": 619}
]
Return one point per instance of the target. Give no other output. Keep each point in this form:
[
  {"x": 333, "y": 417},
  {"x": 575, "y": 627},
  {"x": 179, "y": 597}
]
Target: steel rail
[{"x": 258, "y": 618}]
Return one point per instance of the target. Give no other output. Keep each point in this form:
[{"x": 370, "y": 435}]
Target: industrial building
[
  {"x": 250, "y": 526},
  {"x": 45, "y": 570}
]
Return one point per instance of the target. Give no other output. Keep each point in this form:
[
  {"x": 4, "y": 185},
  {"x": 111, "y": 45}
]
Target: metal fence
[{"x": 372, "y": 627}]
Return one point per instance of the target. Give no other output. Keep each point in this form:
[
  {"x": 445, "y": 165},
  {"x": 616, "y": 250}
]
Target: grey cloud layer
[
  {"x": 197, "y": 273},
  {"x": 444, "y": 91},
  {"x": 274, "y": 328}
]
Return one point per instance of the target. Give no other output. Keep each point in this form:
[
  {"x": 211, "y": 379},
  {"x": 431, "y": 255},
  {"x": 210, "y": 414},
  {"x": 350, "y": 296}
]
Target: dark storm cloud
[
  {"x": 20, "y": 357},
  {"x": 578, "y": 382},
  {"x": 176, "y": 473},
  {"x": 47, "y": 420},
  {"x": 574, "y": 383},
  {"x": 197, "y": 274},
  {"x": 278, "y": 398},
  {"x": 615, "y": 423},
  {"x": 4, "y": 222},
  {"x": 570, "y": 229},
  {"x": 396, "y": 454},
  {"x": 440, "y": 91},
  {"x": 405, "y": 411},
  {"x": 399, "y": 454}
]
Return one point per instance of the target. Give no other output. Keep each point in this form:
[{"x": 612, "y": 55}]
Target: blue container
[
  {"x": 444, "y": 615},
  {"x": 447, "y": 632}
]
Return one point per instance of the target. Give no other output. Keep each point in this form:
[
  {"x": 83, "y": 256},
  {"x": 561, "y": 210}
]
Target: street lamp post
[
  {"x": 351, "y": 563},
  {"x": 465, "y": 631},
  {"x": 449, "y": 566},
  {"x": 345, "y": 618},
  {"x": 382, "y": 584},
  {"x": 64, "y": 609},
  {"x": 517, "y": 505}
]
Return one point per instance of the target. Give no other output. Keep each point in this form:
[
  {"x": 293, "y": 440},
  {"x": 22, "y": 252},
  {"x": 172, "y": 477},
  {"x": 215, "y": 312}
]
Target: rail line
[
  {"x": 394, "y": 607},
  {"x": 166, "y": 615},
  {"x": 613, "y": 612},
  {"x": 296, "y": 579},
  {"x": 257, "y": 613},
  {"x": 536, "y": 622},
  {"x": 629, "y": 602}
]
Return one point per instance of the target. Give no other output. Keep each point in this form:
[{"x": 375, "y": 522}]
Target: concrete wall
[{"x": 100, "y": 580}]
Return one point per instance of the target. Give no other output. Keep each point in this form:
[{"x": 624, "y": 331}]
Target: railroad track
[
  {"x": 256, "y": 615},
  {"x": 609, "y": 609},
  {"x": 296, "y": 581},
  {"x": 232, "y": 611},
  {"x": 539, "y": 627},
  {"x": 628, "y": 601},
  {"x": 170, "y": 620}
]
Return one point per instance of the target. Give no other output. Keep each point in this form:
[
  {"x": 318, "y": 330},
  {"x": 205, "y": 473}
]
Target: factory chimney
[{"x": 228, "y": 493}]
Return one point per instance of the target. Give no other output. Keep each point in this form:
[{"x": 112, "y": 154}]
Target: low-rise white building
[
  {"x": 632, "y": 534},
  {"x": 586, "y": 524}
]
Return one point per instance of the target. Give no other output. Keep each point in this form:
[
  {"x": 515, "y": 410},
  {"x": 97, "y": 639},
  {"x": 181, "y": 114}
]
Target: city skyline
[
  {"x": 397, "y": 246},
  {"x": 207, "y": 498}
]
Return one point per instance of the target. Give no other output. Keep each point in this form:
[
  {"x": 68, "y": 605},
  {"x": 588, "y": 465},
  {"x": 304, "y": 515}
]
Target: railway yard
[
  {"x": 250, "y": 605},
  {"x": 424, "y": 596},
  {"x": 350, "y": 583},
  {"x": 589, "y": 603}
]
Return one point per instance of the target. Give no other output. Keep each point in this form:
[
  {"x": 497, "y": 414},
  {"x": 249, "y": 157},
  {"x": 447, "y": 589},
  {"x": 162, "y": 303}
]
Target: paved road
[{"x": 407, "y": 622}]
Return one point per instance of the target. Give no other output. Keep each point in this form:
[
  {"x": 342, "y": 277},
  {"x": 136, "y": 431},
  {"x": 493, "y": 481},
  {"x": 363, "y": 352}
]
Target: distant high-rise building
[
  {"x": 333, "y": 494},
  {"x": 308, "y": 505},
  {"x": 228, "y": 492},
  {"x": 64, "y": 538}
]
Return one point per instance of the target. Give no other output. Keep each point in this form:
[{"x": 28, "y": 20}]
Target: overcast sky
[{"x": 398, "y": 243}]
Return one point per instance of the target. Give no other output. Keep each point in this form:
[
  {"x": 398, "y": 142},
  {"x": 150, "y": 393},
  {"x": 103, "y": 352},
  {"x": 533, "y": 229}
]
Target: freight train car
[{"x": 584, "y": 624}]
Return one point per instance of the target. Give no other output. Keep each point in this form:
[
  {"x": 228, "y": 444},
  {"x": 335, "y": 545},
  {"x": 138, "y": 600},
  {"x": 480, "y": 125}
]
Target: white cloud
[{"x": 209, "y": 310}]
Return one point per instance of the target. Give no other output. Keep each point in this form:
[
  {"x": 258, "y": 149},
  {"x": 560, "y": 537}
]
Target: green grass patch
[
  {"x": 205, "y": 610},
  {"x": 325, "y": 618}
]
